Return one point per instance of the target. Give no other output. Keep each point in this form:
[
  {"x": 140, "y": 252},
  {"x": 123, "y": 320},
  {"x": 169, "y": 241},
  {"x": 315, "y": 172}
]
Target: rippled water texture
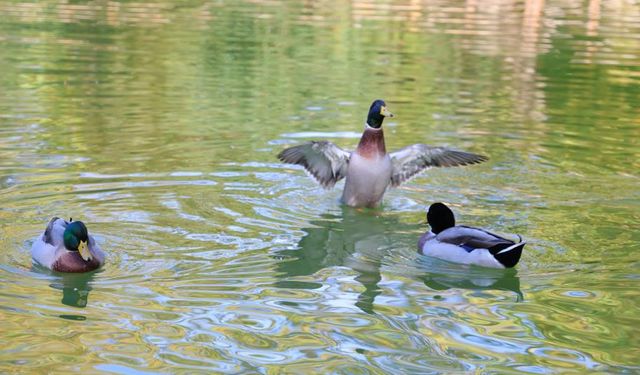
[{"x": 158, "y": 125}]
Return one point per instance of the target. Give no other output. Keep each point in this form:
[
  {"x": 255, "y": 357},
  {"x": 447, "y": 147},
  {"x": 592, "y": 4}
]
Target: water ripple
[{"x": 159, "y": 125}]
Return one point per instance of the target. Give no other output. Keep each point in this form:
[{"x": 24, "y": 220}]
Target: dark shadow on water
[{"x": 333, "y": 240}]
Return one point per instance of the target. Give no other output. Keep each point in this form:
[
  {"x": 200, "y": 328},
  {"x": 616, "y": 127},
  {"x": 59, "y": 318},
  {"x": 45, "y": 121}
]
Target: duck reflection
[
  {"x": 75, "y": 288},
  {"x": 335, "y": 240},
  {"x": 473, "y": 278}
]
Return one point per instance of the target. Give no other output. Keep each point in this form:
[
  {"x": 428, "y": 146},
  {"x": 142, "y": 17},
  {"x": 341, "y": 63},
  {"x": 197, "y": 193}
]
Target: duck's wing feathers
[
  {"x": 325, "y": 161},
  {"x": 96, "y": 251},
  {"x": 473, "y": 237},
  {"x": 54, "y": 233},
  {"x": 47, "y": 247},
  {"x": 413, "y": 159}
]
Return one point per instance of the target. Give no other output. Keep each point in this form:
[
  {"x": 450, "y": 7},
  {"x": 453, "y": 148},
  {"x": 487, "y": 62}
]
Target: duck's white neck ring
[{"x": 369, "y": 127}]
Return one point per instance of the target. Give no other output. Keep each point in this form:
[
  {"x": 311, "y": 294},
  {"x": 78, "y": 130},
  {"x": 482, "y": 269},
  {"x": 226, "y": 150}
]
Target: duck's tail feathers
[
  {"x": 509, "y": 256},
  {"x": 512, "y": 247}
]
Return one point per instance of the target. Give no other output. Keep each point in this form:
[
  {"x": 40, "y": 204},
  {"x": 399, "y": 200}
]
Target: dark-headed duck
[
  {"x": 369, "y": 170},
  {"x": 467, "y": 245},
  {"x": 67, "y": 247}
]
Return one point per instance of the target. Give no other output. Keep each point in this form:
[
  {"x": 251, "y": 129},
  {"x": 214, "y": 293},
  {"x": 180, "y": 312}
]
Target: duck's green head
[
  {"x": 440, "y": 217},
  {"x": 76, "y": 238},
  {"x": 377, "y": 112}
]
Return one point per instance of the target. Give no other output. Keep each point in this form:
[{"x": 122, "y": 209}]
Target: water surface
[{"x": 158, "y": 125}]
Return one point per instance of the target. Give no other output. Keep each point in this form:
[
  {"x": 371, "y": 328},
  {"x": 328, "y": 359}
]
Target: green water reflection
[{"x": 158, "y": 123}]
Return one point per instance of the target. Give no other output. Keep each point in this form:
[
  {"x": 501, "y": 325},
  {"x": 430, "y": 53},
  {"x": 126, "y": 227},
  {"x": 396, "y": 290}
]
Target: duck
[
  {"x": 369, "y": 170},
  {"x": 466, "y": 245},
  {"x": 66, "y": 246}
]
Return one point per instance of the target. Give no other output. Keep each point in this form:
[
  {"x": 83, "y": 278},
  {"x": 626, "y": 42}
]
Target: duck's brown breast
[
  {"x": 73, "y": 262},
  {"x": 371, "y": 144}
]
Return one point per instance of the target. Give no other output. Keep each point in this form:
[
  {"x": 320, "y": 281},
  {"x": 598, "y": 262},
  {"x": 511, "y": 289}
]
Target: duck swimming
[
  {"x": 467, "y": 245},
  {"x": 369, "y": 170},
  {"x": 67, "y": 247}
]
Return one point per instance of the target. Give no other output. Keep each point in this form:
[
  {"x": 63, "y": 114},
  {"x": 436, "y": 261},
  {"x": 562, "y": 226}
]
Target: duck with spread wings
[{"x": 369, "y": 170}]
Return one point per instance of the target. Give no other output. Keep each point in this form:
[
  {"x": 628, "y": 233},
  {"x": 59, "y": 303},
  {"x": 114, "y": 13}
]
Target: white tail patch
[{"x": 510, "y": 247}]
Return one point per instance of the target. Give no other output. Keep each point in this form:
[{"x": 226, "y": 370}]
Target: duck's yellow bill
[
  {"x": 83, "y": 249},
  {"x": 385, "y": 112}
]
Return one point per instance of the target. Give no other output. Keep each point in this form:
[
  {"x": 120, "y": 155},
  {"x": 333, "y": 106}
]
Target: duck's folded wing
[
  {"x": 325, "y": 161},
  {"x": 413, "y": 159},
  {"x": 96, "y": 251},
  {"x": 473, "y": 237},
  {"x": 53, "y": 235}
]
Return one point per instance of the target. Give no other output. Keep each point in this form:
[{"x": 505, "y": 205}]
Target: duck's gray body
[
  {"x": 369, "y": 170},
  {"x": 469, "y": 245}
]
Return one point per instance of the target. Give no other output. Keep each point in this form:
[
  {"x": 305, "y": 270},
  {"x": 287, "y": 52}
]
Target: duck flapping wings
[{"x": 327, "y": 162}]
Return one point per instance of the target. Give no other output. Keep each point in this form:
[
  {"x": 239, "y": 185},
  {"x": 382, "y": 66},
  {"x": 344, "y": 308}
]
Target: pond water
[{"x": 158, "y": 124}]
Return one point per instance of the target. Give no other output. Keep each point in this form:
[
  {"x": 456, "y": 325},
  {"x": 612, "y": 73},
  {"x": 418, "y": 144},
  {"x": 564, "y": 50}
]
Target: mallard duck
[
  {"x": 369, "y": 170},
  {"x": 467, "y": 245},
  {"x": 67, "y": 247}
]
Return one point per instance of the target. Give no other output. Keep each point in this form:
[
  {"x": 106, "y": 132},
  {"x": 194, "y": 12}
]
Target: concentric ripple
[{"x": 157, "y": 124}]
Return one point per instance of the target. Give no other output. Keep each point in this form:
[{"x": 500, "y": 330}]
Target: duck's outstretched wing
[
  {"x": 413, "y": 159},
  {"x": 325, "y": 161}
]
